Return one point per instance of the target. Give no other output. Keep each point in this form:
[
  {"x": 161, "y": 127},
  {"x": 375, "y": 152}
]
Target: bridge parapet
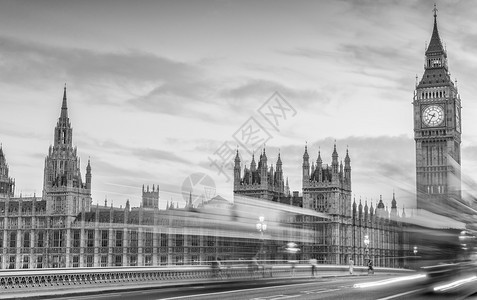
[{"x": 43, "y": 279}]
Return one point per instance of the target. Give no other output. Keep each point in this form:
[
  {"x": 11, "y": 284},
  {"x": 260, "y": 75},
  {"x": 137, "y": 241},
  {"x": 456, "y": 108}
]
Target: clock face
[{"x": 433, "y": 115}]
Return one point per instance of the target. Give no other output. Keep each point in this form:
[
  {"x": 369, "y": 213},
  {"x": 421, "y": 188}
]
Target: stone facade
[
  {"x": 340, "y": 237},
  {"x": 260, "y": 181},
  {"x": 437, "y": 131},
  {"x": 7, "y": 184},
  {"x": 62, "y": 229}
]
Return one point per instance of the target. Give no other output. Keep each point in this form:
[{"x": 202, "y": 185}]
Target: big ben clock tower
[{"x": 437, "y": 131}]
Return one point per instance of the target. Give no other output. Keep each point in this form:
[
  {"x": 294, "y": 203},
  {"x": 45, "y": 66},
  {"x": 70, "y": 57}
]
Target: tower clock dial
[{"x": 433, "y": 115}]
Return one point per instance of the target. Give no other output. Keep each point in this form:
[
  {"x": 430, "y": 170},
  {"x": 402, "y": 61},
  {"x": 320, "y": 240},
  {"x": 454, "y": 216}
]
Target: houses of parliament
[{"x": 63, "y": 229}]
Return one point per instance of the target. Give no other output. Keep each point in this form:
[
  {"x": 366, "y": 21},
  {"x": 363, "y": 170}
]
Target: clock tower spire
[{"x": 437, "y": 130}]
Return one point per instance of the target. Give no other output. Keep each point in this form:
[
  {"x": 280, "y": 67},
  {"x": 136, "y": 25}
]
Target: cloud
[
  {"x": 258, "y": 89},
  {"x": 310, "y": 53},
  {"x": 25, "y": 62},
  {"x": 151, "y": 155},
  {"x": 173, "y": 98},
  {"x": 146, "y": 154}
]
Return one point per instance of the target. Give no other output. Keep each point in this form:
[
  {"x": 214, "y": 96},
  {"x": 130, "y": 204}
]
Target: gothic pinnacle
[{"x": 64, "y": 108}]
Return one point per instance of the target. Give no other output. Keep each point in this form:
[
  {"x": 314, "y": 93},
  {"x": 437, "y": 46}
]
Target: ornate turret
[
  {"x": 63, "y": 188},
  {"x": 7, "y": 184},
  {"x": 261, "y": 182},
  {"x": 435, "y": 49},
  {"x": 237, "y": 175},
  {"x": 253, "y": 165},
  {"x": 436, "y": 70},
  {"x": 380, "y": 212},
  {"x": 319, "y": 167},
  {"x": 263, "y": 170},
  {"x": 150, "y": 198},
  {"x": 360, "y": 210},
  {"x": 334, "y": 161},
  {"x": 366, "y": 210},
  {"x": 88, "y": 175},
  {"x": 394, "y": 212},
  {"x": 279, "y": 172},
  {"x": 306, "y": 166},
  {"x": 371, "y": 211},
  {"x": 347, "y": 170}
]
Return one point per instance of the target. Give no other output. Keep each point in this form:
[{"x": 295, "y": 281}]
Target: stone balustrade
[{"x": 109, "y": 277}]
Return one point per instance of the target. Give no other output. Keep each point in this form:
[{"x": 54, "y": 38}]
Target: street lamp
[
  {"x": 366, "y": 243},
  {"x": 368, "y": 261},
  {"x": 261, "y": 227}
]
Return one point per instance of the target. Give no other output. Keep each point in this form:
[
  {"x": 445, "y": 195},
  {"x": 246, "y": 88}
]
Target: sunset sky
[{"x": 155, "y": 88}]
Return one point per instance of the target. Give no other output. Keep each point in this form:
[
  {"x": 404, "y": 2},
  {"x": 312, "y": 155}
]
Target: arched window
[
  {"x": 13, "y": 239},
  {"x": 26, "y": 240}
]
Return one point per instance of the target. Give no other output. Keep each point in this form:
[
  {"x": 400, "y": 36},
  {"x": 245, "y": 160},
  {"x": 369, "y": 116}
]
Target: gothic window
[
  {"x": 133, "y": 238},
  {"x": 149, "y": 238},
  {"x": 118, "y": 260},
  {"x": 104, "y": 238},
  {"x": 11, "y": 265},
  {"x": 104, "y": 261},
  {"x": 57, "y": 205},
  {"x": 26, "y": 240},
  {"x": 39, "y": 262},
  {"x": 39, "y": 242},
  {"x": 89, "y": 261},
  {"x": 26, "y": 262},
  {"x": 90, "y": 238},
  {"x": 119, "y": 238},
  {"x": 76, "y": 238},
  {"x": 179, "y": 240},
  {"x": 195, "y": 240},
  {"x": 163, "y": 240},
  {"x": 75, "y": 261},
  {"x": 13, "y": 239},
  {"x": 57, "y": 238}
]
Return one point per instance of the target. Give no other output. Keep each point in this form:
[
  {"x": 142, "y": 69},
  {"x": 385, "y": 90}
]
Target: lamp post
[
  {"x": 261, "y": 227},
  {"x": 366, "y": 243},
  {"x": 368, "y": 261}
]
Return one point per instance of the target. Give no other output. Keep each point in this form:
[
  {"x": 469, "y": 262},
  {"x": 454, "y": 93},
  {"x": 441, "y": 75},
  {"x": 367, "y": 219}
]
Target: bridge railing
[{"x": 110, "y": 277}]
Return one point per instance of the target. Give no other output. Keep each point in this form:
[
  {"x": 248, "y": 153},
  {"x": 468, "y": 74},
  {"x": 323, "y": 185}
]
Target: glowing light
[
  {"x": 455, "y": 284},
  {"x": 388, "y": 281}
]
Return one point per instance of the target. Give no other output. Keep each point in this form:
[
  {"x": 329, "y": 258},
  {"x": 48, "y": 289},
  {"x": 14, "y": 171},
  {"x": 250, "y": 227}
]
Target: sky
[{"x": 161, "y": 92}]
